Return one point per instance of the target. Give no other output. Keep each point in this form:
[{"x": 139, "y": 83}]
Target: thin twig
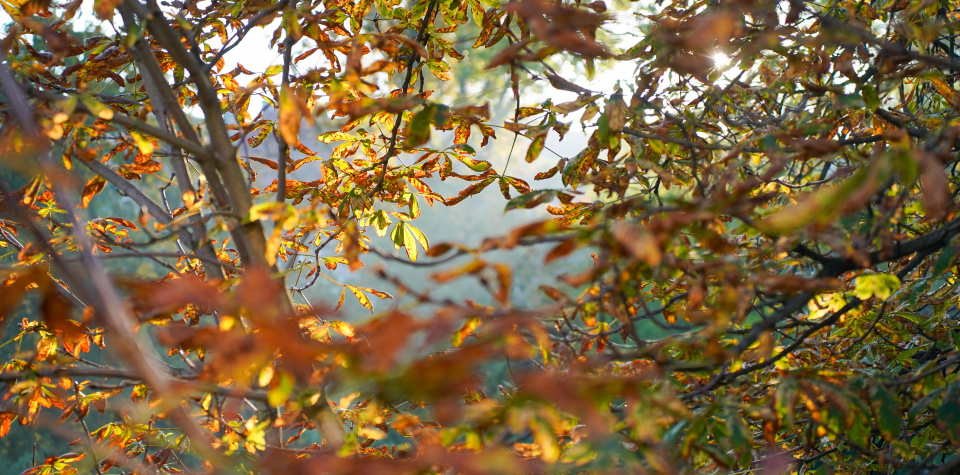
[{"x": 391, "y": 149}]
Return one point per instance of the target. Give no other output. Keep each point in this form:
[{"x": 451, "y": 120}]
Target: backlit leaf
[
  {"x": 94, "y": 186},
  {"x": 289, "y": 119}
]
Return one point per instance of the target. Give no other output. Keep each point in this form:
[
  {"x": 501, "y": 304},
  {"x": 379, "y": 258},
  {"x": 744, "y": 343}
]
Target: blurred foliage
[{"x": 741, "y": 258}]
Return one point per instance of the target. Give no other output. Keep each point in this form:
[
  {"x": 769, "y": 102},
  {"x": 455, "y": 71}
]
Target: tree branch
[{"x": 392, "y": 148}]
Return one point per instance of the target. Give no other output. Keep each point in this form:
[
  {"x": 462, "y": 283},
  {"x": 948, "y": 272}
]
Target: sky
[{"x": 255, "y": 54}]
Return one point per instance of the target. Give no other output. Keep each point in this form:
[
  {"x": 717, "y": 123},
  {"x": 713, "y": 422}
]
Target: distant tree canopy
[{"x": 769, "y": 203}]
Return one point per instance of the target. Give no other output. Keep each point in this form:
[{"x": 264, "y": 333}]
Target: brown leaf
[
  {"x": 13, "y": 289},
  {"x": 56, "y": 313},
  {"x": 639, "y": 243},
  {"x": 508, "y": 54},
  {"x": 937, "y": 199},
  {"x": 810, "y": 148},
  {"x": 148, "y": 166},
  {"x": 712, "y": 31},
  {"x": 505, "y": 278},
  {"x": 564, "y": 249},
  {"x": 383, "y": 338},
  {"x": 176, "y": 293},
  {"x": 438, "y": 250},
  {"x": 260, "y": 293},
  {"x": 561, "y": 83},
  {"x": 471, "y": 268}
]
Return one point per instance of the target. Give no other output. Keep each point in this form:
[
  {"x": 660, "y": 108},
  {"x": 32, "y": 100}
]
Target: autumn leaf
[
  {"x": 417, "y": 131},
  {"x": 466, "y": 330},
  {"x": 827, "y": 203},
  {"x": 946, "y": 91},
  {"x": 770, "y": 261},
  {"x": 639, "y": 243},
  {"x": 344, "y": 328},
  {"x": 6, "y": 418},
  {"x": 470, "y": 191},
  {"x": 262, "y": 132},
  {"x": 94, "y": 185},
  {"x": 290, "y": 114},
  {"x": 536, "y": 146},
  {"x": 361, "y": 297}
]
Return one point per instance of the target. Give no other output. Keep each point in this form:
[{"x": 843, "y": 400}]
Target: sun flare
[{"x": 721, "y": 60}]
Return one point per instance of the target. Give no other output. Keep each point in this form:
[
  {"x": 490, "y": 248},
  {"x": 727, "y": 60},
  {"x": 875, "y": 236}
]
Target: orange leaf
[
  {"x": 290, "y": 115},
  {"x": 6, "y": 418},
  {"x": 94, "y": 186}
]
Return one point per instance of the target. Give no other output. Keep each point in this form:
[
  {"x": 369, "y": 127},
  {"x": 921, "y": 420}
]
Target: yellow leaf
[
  {"x": 273, "y": 245},
  {"x": 344, "y": 328},
  {"x": 363, "y": 299},
  {"x": 419, "y": 236},
  {"x": 13, "y": 8},
  {"x": 347, "y": 400},
  {"x": 371, "y": 433},
  {"x": 410, "y": 243},
  {"x": 466, "y": 330},
  {"x": 266, "y": 375},
  {"x": 144, "y": 145},
  {"x": 290, "y": 115},
  {"x": 97, "y": 108},
  {"x": 876, "y": 285}
]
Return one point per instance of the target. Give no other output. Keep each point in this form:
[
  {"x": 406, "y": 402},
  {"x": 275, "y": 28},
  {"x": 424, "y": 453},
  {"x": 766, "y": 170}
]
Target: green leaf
[
  {"x": 464, "y": 148},
  {"x": 920, "y": 406},
  {"x": 262, "y": 132},
  {"x": 945, "y": 261},
  {"x": 417, "y": 132},
  {"x": 785, "y": 400},
  {"x": 531, "y": 199},
  {"x": 380, "y": 222},
  {"x": 719, "y": 456},
  {"x": 870, "y": 97},
  {"x": 824, "y": 206},
  {"x": 886, "y": 412},
  {"x": 474, "y": 164},
  {"x": 740, "y": 439},
  {"x": 876, "y": 285},
  {"x": 578, "y": 167},
  {"x": 406, "y": 236},
  {"x": 536, "y": 146},
  {"x": 397, "y": 235},
  {"x": 413, "y": 206},
  {"x": 440, "y": 69},
  {"x": 948, "y": 415},
  {"x": 273, "y": 70}
]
